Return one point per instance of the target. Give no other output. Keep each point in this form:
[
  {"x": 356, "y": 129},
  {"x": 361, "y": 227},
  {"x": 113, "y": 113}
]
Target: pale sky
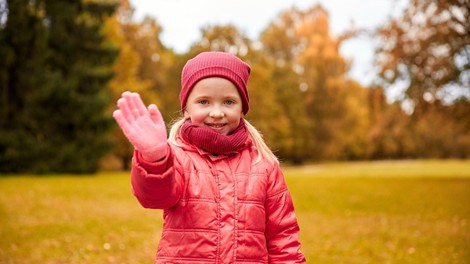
[{"x": 182, "y": 20}]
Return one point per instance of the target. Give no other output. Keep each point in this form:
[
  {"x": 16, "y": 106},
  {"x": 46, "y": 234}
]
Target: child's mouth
[{"x": 216, "y": 127}]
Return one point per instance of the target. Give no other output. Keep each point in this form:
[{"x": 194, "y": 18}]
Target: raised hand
[{"x": 144, "y": 127}]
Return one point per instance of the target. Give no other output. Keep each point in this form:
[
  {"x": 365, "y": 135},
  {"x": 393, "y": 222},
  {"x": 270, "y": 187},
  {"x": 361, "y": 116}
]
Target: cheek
[
  {"x": 196, "y": 117},
  {"x": 237, "y": 115}
]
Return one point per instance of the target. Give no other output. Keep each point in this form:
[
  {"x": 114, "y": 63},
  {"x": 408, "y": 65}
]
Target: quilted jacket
[{"x": 218, "y": 209}]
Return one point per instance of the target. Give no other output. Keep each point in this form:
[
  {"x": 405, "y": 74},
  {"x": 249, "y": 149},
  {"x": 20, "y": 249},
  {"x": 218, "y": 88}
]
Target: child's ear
[{"x": 186, "y": 115}]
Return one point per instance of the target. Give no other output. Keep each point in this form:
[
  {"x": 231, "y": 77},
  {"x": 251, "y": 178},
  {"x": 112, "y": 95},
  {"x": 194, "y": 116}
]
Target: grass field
[{"x": 362, "y": 212}]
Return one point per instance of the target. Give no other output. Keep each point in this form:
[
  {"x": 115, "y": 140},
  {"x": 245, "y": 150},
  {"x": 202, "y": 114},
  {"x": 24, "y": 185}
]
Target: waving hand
[{"x": 144, "y": 127}]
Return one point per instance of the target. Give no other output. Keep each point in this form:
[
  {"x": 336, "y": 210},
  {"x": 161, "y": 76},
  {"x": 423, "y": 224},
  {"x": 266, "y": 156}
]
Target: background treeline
[{"x": 64, "y": 64}]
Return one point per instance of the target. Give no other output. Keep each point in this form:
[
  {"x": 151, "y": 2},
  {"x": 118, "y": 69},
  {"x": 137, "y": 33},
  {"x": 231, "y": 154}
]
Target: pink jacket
[{"x": 219, "y": 209}]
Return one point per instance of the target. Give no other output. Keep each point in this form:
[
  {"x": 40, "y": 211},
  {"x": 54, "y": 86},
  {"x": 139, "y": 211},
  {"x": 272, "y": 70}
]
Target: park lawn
[{"x": 356, "y": 212}]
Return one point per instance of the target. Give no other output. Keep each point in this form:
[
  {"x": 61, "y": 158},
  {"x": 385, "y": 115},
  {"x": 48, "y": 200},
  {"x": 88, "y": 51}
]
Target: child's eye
[
  {"x": 203, "y": 102},
  {"x": 229, "y": 102}
]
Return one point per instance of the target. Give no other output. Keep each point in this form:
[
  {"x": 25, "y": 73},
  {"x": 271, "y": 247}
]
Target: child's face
[{"x": 216, "y": 104}]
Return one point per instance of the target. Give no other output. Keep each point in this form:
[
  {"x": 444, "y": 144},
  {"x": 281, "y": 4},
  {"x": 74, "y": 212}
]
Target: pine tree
[{"x": 53, "y": 86}]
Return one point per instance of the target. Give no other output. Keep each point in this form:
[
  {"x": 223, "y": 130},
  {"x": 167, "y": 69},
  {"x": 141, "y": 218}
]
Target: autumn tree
[
  {"x": 427, "y": 51},
  {"x": 279, "y": 45},
  {"x": 388, "y": 135},
  {"x": 142, "y": 66},
  {"x": 159, "y": 65},
  {"x": 267, "y": 113},
  {"x": 126, "y": 76},
  {"x": 335, "y": 106}
]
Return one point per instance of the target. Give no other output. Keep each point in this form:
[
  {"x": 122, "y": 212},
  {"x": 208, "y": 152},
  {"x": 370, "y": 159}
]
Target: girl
[{"x": 224, "y": 196}]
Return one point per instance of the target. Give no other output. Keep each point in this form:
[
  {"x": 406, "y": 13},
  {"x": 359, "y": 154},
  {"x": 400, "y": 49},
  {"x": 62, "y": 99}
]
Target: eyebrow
[{"x": 199, "y": 98}]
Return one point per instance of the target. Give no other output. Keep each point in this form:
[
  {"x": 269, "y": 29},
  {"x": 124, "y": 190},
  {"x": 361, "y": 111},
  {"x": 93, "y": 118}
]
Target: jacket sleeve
[
  {"x": 282, "y": 229},
  {"x": 156, "y": 185}
]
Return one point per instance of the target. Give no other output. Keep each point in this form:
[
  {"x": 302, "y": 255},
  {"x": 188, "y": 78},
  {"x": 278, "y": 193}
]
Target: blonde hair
[{"x": 263, "y": 151}]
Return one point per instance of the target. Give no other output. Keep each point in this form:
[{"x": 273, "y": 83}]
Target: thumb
[{"x": 155, "y": 114}]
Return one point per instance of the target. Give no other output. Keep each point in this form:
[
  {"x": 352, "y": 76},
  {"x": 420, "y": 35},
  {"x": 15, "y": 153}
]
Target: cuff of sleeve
[{"x": 158, "y": 166}]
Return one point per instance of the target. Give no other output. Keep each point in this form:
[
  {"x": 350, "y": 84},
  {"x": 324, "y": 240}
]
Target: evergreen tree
[{"x": 53, "y": 86}]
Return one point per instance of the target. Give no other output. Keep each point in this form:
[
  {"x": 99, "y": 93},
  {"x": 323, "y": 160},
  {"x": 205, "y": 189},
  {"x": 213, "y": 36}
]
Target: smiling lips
[{"x": 215, "y": 126}]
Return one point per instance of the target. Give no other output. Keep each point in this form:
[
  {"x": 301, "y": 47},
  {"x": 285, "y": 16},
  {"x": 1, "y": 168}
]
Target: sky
[{"x": 182, "y": 20}]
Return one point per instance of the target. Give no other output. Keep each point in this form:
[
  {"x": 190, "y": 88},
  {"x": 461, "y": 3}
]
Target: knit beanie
[{"x": 215, "y": 64}]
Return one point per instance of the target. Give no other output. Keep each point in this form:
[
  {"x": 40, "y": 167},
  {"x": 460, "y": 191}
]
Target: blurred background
[
  {"x": 366, "y": 103},
  {"x": 64, "y": 64}
]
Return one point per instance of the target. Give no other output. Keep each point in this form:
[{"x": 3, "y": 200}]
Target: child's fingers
[
  {"x": 139, "y": 104},
  {"x": 136, "y": 104},
  {"x": 155, "y": 114},
  {"x": 122, "y": 121},
  {"x": 131, "y": 110},
  {"x": 125, "y": 110}
]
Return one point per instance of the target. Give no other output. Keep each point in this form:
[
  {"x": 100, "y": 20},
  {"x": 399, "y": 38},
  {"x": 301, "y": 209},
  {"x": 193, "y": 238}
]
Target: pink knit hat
[{"x": 215, "y": 64}]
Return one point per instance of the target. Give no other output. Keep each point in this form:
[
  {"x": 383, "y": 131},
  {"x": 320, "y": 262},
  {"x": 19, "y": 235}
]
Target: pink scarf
[{"x": 213, "y": 142}]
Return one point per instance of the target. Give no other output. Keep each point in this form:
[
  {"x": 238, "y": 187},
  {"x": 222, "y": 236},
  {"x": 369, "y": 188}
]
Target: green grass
[{"x": 362, "y": 212}]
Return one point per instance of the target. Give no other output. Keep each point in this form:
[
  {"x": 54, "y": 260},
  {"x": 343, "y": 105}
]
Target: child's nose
[{"x": 216, "y": 112}]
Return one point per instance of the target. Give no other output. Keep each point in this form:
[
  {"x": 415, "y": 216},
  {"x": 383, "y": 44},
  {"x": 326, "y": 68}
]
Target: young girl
[{"x": 224, "y": 196}]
